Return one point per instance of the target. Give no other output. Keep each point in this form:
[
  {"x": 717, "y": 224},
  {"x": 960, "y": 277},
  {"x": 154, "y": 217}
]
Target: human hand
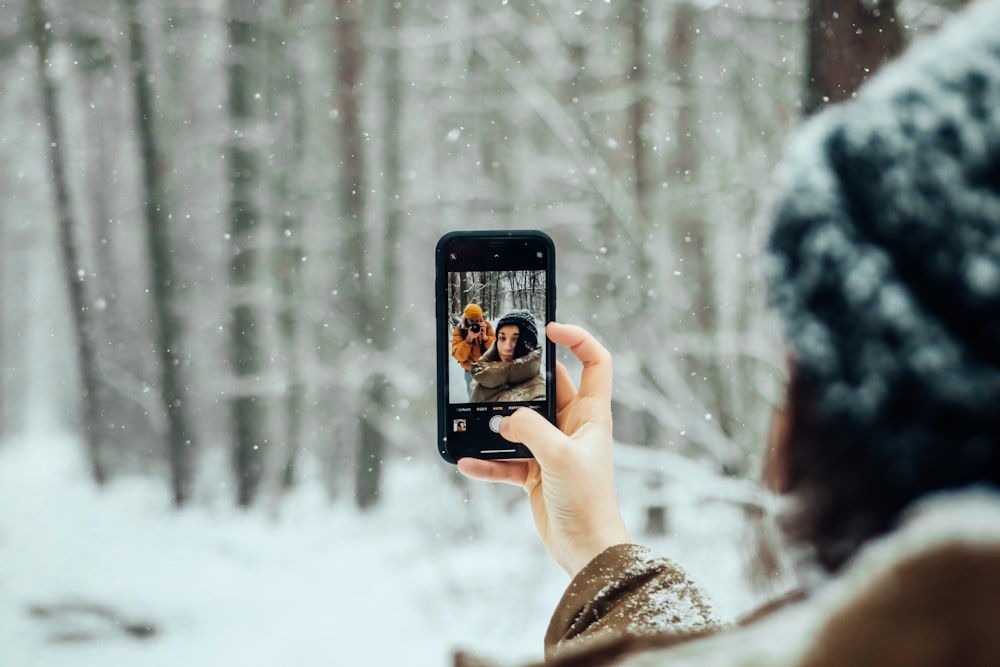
[{"x": 571, "y": 479}]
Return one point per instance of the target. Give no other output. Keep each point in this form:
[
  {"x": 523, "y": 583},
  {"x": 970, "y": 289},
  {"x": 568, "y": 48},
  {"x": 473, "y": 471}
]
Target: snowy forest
[
  {"x": 497, "y": 292},
  {"x": 217, "y": 230}
]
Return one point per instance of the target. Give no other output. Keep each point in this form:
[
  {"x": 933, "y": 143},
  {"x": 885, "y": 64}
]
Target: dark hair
[
  {"x": 884, "y": 264},
  {"x": 854, "y": 478}
]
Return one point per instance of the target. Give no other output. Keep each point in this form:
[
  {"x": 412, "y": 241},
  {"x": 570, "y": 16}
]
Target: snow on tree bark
[{"x": 168, "y": 337}]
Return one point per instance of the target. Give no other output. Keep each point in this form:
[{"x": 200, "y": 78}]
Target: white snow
[
  {"x": 982, "y": 275},
  {"x": 309, "y": 583},
  {"x": 315, "y": 584}
]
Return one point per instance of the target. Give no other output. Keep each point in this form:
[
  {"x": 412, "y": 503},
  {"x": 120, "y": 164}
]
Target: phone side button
[{"x": 495, "y": 423}]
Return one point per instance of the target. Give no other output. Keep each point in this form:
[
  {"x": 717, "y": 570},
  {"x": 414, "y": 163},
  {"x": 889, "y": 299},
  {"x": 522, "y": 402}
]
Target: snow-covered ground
[{"x": 118, "y": 577}]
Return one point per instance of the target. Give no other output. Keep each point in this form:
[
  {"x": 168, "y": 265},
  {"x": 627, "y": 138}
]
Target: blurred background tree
[{"x": 218, "y": 218}]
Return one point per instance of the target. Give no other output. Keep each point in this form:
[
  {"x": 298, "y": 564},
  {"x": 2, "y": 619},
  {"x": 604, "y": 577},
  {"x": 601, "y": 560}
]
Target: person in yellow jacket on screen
[{"x": 470, "y": 340}]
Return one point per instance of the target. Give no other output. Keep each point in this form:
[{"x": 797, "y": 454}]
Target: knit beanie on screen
[
  {"x": 472, "y": 312},
  {"x": 525, "y": 321},
  {"x": 884, "y": 260}
]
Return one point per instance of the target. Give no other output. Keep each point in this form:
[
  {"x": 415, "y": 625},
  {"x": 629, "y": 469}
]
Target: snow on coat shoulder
[{"x": 924, "y": 596}]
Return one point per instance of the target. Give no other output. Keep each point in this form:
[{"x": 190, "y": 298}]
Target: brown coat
[
  {"x": 927, "y": 596},
  {"x": 519, "y": 380}
]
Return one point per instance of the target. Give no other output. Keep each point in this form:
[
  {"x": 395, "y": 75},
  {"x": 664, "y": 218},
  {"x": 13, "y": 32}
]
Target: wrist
[{"x": 593, "y": 547}]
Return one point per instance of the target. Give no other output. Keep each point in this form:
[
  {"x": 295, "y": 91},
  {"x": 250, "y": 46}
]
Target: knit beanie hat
[
  {"x": 525, "y": 321},
  {"x": 884, "y": 259},
  {"x": 472, "y": 312}
]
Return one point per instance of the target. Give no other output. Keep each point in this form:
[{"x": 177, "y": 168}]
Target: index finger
[
  {"x": 565, "y": 389},
  {"x": 595, "y": 380}
]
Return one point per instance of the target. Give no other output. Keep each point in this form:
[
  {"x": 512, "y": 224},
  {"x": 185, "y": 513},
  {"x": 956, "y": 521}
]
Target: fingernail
[{"x": 504, "y": 426}]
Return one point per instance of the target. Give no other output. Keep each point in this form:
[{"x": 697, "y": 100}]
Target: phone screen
[{"x": 495, "y": 294}]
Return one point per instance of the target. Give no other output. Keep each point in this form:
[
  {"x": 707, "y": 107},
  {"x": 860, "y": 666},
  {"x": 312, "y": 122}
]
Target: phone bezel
[{"x": 477, "y": 247}]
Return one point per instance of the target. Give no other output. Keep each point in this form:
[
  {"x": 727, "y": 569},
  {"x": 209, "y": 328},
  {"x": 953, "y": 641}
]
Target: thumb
[{"x": 538, "y": 434}]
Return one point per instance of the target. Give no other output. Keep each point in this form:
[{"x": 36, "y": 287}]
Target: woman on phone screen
[{"x": 511, "y": 370}]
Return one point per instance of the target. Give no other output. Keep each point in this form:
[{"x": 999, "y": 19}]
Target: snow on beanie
[
  {"x": 525, "y": 321},
  {"x": 884, "y": 259}
]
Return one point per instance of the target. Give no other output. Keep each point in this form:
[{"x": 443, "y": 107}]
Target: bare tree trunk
[
  {"x": 4, "y": 366},
  {"x": 6, "y": 305},
  {"x": 287, "y": 104},
  {"x": 351, "y": 187},
  {"x": 392, "y": 170},
  {"x": 368, "y": 467},
  {"x": 680, "y": 56},
  {"x": 639, "y": 117},
  {"x": 847, "y": 42},
  {"x": 640, "y": 113},
  {"x": 74, "y": 273},
  {"x": 247, "y": 324},
  {"x": 378, "y": 388},
  {"x": 350, "y": 66},
  {"x": 692, "y": 235},
  {"x": 169, "y": 339}
]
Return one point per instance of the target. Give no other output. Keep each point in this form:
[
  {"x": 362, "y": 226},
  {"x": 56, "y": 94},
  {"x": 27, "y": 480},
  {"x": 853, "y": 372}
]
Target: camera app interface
[{"x": 497, "y": 363}]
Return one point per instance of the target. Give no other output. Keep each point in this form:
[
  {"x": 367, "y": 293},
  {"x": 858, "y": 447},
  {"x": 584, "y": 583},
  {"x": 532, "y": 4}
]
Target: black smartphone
[{"x": 495, "y": 292}]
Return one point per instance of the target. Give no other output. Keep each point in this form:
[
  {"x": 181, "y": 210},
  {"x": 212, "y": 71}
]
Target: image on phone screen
[{"x": 493, "y": 305}]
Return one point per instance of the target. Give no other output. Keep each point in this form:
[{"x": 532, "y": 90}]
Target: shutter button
[{"x": 495, "y": 423}]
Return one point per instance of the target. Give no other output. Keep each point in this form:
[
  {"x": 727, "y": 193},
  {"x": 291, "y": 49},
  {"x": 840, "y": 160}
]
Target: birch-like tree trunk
[
  {"x": 73, "y": 272},
  {"x": 156, "y": 211},
  {"x": 248, "y": 326},
  {"x": 287, "y": 104}
]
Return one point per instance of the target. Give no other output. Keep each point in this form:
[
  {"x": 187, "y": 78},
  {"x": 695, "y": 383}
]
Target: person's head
[
  {"x": 517, "y": 335},
  {"x": 472, "y": 316},
  {"x": 884, "y": 263}
]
